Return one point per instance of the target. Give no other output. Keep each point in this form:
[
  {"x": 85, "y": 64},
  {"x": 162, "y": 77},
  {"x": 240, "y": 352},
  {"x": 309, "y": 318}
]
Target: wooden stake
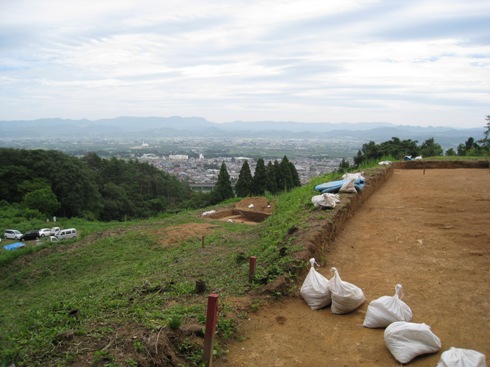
[
  {"x": 211, "y": 320},
  {"x": 251, "y": 273}
]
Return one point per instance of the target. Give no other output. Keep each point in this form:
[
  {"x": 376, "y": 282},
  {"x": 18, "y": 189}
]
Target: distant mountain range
[{"x": 176, "y": 126}]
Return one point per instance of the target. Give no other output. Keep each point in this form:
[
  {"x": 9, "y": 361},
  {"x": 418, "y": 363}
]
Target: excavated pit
[{"x": 252, "y": 210}]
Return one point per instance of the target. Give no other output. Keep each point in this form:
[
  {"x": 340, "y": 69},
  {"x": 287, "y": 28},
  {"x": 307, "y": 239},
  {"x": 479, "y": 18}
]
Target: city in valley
[
  {"x": 197, "y": 160},
  {"x": 201, "y": 173}
]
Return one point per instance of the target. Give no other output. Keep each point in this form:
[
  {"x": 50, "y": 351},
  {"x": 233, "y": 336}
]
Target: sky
[{"x": 417, "y": 62}]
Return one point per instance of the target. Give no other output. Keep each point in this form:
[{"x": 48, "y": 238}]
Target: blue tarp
[
  {"x": 14, "y": 246},
  {"x": 334, "y": 186}
]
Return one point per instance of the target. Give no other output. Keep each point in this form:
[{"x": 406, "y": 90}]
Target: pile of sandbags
[
  {"x": 404, "y": 339},
  {"x": 319, "y": 292}
]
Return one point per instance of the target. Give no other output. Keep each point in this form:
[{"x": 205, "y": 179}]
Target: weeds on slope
[{"x": 126, "y": 275}]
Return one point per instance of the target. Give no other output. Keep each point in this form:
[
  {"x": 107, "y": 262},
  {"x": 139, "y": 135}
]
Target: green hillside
[{"x": 102, "y": 300}]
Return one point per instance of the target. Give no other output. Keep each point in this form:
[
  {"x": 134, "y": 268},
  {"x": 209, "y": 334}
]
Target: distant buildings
[
  {"x": 202, "y": 173},
  {"x": 178, "y": 157}
]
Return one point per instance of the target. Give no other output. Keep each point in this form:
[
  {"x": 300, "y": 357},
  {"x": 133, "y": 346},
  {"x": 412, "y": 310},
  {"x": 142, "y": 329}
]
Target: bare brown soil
[
  {"x": 184, "y": 232},
  {"x": 250, "y": 210},
  {"x": 428, "y": 230}
]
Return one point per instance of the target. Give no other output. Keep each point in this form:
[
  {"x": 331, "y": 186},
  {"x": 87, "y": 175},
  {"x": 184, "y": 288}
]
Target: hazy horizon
[{"x": 482, "y": 126}]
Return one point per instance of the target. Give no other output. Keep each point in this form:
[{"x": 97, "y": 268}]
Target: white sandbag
[
  {"x": 383, "y": 311},
  {"x": 458, "y": 357},
  {"x": 355, "y": 176},
  {"x": 349, "y": 186},
  {"x": 385, "y": 163},
  {"x": 407, "y": 340},
  {"x": 208, "y": 213},
  {"x": 346, "y": 297},
  {"x": 326, "y": 200},
  {"x": 315, "y": 289}
]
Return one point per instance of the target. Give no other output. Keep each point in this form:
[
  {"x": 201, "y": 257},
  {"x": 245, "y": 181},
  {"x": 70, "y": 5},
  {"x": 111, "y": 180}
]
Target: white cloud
[{"x": 420, "y": 62}]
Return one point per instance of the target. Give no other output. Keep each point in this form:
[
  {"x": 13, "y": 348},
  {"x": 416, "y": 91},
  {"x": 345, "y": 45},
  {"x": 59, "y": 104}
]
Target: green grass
[
  {"x": 456, "y": 158},
  {"x": 121, "y": 273},
  {"x": 84, "y": 228},
  {"x": 129, "y": 277}
]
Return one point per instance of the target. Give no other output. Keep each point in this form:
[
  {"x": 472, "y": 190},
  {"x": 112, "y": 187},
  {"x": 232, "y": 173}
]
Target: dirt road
[{"x": 429, "y": 232}]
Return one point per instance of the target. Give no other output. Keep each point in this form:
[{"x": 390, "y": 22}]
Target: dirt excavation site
[{"x": 426, "y": 229}]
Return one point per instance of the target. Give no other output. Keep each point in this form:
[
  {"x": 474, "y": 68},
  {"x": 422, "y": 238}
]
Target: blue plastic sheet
[
  {"x": 14, "y": 246},
  {"x": 334, "y": 186}
]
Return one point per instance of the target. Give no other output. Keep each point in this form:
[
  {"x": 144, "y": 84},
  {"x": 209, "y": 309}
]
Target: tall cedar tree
[
  {"x": 286, "y": 173},
  {"x": 485, "y": 142},
  {"x": 271, "y": 183},
  {"x": 280, "y": 182},
  {"x": 294, "y": 175},
  {"x": 223, "y": 189},
  {"x": 244, "y": 185},
  {"x": 260, "y": 178}
]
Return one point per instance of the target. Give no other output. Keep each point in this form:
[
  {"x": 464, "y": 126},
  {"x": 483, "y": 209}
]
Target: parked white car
[
  {"x": 66, "y": 233},
  {"x": 12, "y": 234},
  {"x": 55, "y": 230},
  {"x": 43, "y": 232}
]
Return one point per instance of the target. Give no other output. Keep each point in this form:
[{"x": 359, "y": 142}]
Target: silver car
[
  {"x": 43, "y": 232},
  {"x": 12, "y": 234}
]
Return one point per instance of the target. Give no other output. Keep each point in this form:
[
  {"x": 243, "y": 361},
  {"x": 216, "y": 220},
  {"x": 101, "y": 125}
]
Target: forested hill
[{"x": 51, "y": 183}]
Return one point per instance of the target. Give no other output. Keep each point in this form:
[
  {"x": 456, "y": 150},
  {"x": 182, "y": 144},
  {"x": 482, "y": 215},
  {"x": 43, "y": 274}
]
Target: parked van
[{"x": 67, "y": 233}]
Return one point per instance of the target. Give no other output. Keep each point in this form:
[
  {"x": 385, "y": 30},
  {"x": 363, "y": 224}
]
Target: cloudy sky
[{"x": 417, "y": 62}]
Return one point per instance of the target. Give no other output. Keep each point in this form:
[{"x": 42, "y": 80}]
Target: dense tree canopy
[
  {"x": 90, "y": 187},
  {"x": 430, "y": 148},
  {"x": 43, "y": 200},
  {"x": 273, "y": 178},
  {"x": 395, "y": 148},
  {"x": 471, "y": 148}
]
